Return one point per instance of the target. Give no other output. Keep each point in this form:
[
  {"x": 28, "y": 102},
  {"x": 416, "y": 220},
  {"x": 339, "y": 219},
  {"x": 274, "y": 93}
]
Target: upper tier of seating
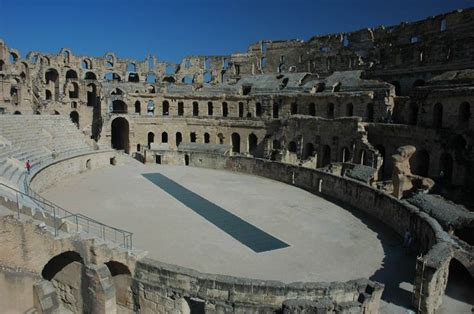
[{"x": 38, "y": 138}]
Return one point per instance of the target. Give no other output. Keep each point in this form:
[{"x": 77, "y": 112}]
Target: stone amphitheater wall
[{"x": 59, "y": 170}]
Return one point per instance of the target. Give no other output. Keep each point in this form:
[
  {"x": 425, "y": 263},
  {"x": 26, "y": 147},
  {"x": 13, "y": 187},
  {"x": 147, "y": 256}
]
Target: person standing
[{"x": 28, "y": 166}]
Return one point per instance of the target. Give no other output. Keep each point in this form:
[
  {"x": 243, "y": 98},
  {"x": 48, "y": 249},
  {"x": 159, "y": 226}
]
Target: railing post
[
  {"x": 17, "y": 205},
  {"x": 77, "y": 224},
  {"x": 55, "y": 222}
]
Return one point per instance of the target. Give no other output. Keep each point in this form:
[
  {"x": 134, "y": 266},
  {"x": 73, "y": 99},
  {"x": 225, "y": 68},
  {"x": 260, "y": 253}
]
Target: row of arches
[
  {"x": 120, "y": 130},
  {"x": 325, "y": 156},
  {"x": 438, "y": 113},
  {"x": 330, "y": 110},
  {"x": 68, "y": 269}
]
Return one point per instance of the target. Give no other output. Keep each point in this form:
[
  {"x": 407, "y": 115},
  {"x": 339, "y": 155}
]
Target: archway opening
[
  {"x": 235, "y": 142},
  {"x": 420, "y": 163},
  {"x": 438, "y": 115},
  {"x": 74, "y": 115},
  {"x": 446, "y": 168},
  {"x": 370, "y": 112},
  {"x": 413, "y": 114},
  {"x": 59, "y": 262},
  {"x": 349, "y": 110},
  {"x": 120, "y": 134},
  {"x": 312, "y": 109},
  {"x": 118, "y": 106},
  {"x": 308, "y": 150},
  {"x": 179, "y": 138},
  {"x": 292, "y": 147},
  {"x": 122, "y": 279},
  {"x": 164, "y": 137},
  {"x": 459, "y": 296},
  {"x": 345, "y": 154},
  {"x": 151, "y": 138},
  {"x": 138, "y": 107},
  {"x": 330, "y": 111},
  {"x": 325, "y": 156},
  {"x": 253, "y": 144},
  {"x": 464, "y": 114}
]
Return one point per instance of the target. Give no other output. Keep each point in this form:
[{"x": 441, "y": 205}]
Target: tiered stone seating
[{"x": 36, "y": 138}]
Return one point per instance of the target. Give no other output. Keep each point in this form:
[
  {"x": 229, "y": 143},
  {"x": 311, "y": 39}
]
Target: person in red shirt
[{"x": 28, "y": 166}]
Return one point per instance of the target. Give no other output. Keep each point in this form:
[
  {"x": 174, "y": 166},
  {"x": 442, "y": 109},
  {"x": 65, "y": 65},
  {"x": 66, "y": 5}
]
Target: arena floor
[
  {"x": 316, "y": 240},
  {"x": 305, "y": 237}
]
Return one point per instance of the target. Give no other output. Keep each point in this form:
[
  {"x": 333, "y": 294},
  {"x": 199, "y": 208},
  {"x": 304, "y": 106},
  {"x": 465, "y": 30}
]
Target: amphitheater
[{"x": 329, "y": 175}]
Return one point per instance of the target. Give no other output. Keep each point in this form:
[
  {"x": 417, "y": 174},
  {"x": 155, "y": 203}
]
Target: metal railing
[{"x": 61, "y": 219}]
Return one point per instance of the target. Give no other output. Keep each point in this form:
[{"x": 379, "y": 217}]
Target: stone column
[{"x": 100, "y": 296}]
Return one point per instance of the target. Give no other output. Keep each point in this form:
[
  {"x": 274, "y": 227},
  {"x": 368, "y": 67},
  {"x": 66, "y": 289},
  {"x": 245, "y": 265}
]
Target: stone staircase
[{"x": 38, "y": 138}]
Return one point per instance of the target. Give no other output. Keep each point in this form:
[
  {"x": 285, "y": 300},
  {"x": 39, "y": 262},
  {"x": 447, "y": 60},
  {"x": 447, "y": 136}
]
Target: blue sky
[{"x": 174, "y": 29}]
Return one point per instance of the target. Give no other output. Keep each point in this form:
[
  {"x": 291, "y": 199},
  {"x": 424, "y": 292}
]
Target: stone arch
[
  {"x": 90, "y": 76},
  {"x": 258, "y": 109},
  {"x": 119, "y": 106},
  {"x": 325, "y": 156},
  {"x": 370, "y": 112},
  {"x": 150, "y": 139},
  {"x": 225, "y": 109},
  {"x": 178, "y": 138},
  {"x": 166, "y": 108},
  {"x": 438, "y": 115},
  {"x": 241, "y": 109},
  {"x": 52, "y": 78},
  {"x": 71, "y": 74},
  {"x": 276, "y": 111},
  {"x": 345, "y": 154},
  {"x": 74, "y": 116},
  {"x": 312, "y": 109},
  {"x": 133, "y": 77},
  {"x": 138, "y": 107},
  {"x": 294, "y": 108},
  {"x": 383, "y": 169},
  {"x": 413, "y": 113},
  {"x": 195, "y": 108},
  {"x": 220, "y": 138},
  {"x": 464, "y": 114},
  {"x": 459, "y": 284},
  {"x": 292, "y": 147},
  {"x": 122, "y": 279},
  {"x": 446, "y": 167},
  {"x": 235, "y": 138},
  {"x": 363, "y": 157},
  {"x": 210, "y": 108},
  {"x": 120, "y": 134},
  {"x": 330, "y": 111},
  {"x": 59, "y": 262},
  {"x": 308, "y": 150},
  {"x": 73, "y": 90},
  {"x": 349, "y": 110},
  {"x": 91, "y": 95},
  {"x": 164, "y": 137},
  {"x": 397, "y": 86},
  {"x": 252, "y": 140},
  {"x": 420, "y": 163}
]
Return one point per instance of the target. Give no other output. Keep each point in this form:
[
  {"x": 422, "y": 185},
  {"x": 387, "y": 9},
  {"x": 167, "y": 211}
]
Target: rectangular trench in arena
[{"x": 242, "y": 231}]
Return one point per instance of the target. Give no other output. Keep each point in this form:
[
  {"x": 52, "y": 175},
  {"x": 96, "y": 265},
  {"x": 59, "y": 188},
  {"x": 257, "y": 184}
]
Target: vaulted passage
[{"x": 120, "y": 134}]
